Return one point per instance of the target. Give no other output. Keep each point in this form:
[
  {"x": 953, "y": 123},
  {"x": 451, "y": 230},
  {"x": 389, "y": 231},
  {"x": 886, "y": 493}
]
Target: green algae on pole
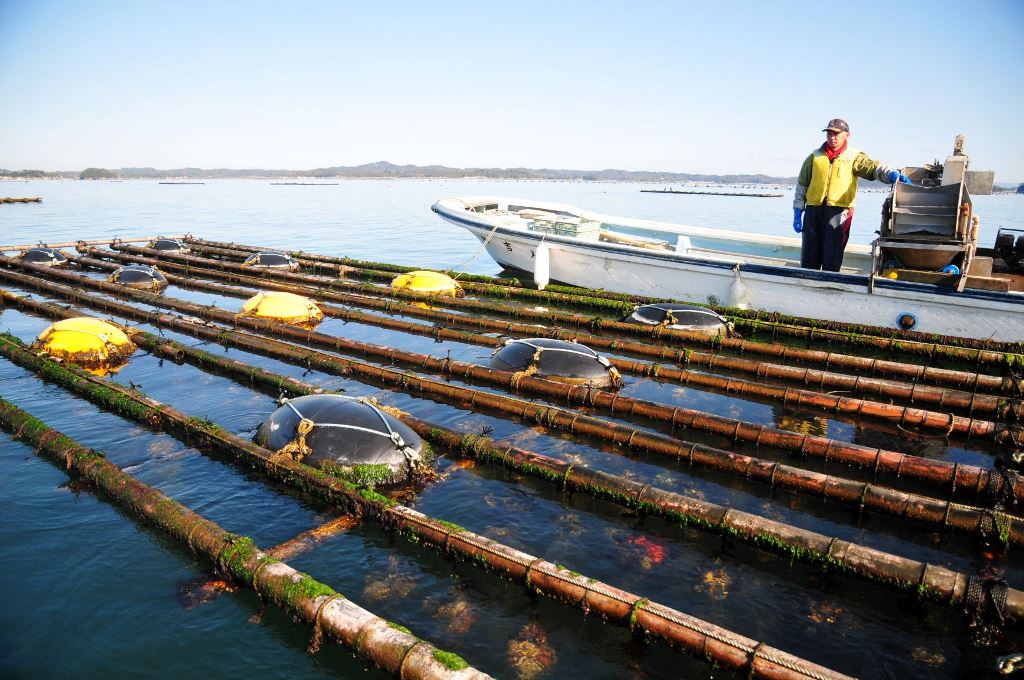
[{"x": 366, "y": 634}]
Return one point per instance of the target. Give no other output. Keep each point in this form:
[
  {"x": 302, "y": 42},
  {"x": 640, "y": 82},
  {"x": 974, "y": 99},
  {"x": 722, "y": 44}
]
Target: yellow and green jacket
[{"x": 823, "y": 183}]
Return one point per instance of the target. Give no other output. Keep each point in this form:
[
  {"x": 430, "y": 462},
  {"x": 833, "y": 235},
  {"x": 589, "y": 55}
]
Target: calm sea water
[{"x": 90, "y": 592}]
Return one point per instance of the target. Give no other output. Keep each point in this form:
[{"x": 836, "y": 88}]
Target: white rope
[
  {"x": 475, "y": 255},
  {"x": 411, "y": 454},
  {"x": 593, "y": 355}
]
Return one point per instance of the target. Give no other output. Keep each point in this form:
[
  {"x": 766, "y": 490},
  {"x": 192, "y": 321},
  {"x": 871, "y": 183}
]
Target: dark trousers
[{"x": 826, "y": 231}]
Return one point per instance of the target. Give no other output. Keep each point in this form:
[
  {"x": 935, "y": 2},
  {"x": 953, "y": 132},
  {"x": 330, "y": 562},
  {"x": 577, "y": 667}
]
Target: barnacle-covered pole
[
  {"x": 945, "y": 398},
  {"x": 387, "y": 646}
]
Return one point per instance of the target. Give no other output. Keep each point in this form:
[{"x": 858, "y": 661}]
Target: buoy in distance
[
  {"x": 352, "y": 436},
  {"x": 139, "y": 276},
  {"x": 47, "y": 257},
  {"x": 680, "y": 317},
  {"x": 272, "y": 261},
  {"x": 427, "y": 282},
  {"x": 285, "y": 307},
  {"x": 88, "y": 342},
  {"x": 559, "y": 360}
]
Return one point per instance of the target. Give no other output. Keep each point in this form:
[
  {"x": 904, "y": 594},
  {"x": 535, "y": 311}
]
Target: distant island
[{"x": 386, "y": 170}]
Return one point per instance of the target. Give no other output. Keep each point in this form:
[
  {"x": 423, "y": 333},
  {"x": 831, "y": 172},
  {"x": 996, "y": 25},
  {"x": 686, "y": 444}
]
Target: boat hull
[{"x": 788, "y": 290}]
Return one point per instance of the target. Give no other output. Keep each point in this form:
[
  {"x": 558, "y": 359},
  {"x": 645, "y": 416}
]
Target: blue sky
[{"x": 672, "y": 86}]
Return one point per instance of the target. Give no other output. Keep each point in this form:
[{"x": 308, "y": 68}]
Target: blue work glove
[
  {"x": 896, "y": 176},
  {"x": 798, "y": 224}
]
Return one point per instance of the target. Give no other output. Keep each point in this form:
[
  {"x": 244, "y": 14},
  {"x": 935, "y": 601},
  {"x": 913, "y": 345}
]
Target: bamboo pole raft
[
  {"x": 582, "y": 394},
  {"x": 387, "y": 646},
  {"x": 968, "y": 397},
  {"x": 34, "y": 199},
  {"x": 735, "y": 652},
  {"x": 994, "y": 484},
  {"x": 944, "y": 514},
  {"x": 927, "y": 580}
]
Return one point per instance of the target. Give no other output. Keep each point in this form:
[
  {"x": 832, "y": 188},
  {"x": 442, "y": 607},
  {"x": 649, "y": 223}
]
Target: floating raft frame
[
  {"x": 979, "y": 399},
  {"x": 709, "y": 193}
]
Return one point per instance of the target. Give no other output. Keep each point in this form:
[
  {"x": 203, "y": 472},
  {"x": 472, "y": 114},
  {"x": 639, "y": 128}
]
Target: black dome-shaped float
[
  {"x": 170, "y": 245},
  {"x": 350, "y": 436},
  {"x": 139, "y": 276},
  {"x": 272, "y": 260},
  {"x": 680, "y": 317},
  {"x": 47, "y": 257},
  {"x": 559, "y": 360}
]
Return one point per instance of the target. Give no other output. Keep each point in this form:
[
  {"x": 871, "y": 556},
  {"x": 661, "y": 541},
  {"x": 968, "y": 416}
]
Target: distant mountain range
[{"x": 384, "y": 170}]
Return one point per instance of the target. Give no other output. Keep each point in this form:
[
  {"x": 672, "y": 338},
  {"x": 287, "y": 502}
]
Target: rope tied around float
[{"x": 306, "y": 426}]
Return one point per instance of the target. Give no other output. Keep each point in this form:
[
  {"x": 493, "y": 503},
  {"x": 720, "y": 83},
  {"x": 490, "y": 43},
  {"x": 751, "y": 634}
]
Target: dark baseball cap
[{"x": 837, "y": 125}]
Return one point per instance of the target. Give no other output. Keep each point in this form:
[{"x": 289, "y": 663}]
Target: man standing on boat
[{"x": 826, "y": 190}]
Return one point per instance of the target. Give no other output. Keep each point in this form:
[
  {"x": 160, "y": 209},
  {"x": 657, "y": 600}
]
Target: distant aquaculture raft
[
  {"x": 710, "y": 193},
  {"x": 546, "y": 374}
]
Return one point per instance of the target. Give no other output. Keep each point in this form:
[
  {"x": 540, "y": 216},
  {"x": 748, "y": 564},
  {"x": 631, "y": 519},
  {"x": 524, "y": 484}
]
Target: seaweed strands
[
  {"x": 392, "y": 649},
  {"x": 736, "y": 652},
  {"x": 1008, "y": 410},
  {"x": 865, "y": 365},
  {"x": 1001, "y": 408},
  {"x": 927, "y": 580},
  {"x": 813, "y": 330},
  {"x": 863, "y": 495}
]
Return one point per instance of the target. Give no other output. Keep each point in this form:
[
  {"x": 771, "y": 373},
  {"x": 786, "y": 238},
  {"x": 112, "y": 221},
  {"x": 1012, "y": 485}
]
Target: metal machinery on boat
[{"x": 929, "y": 232}]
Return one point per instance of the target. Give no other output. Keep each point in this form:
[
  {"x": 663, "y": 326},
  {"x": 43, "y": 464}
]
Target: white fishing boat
[{"x": 925, "y": 273}]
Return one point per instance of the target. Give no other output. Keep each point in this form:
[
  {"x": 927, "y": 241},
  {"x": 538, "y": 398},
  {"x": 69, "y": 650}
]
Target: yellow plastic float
[
  {"x": 281, "y": 306},
  {"x": 91, "y": 343},
  {"x": 427, "y": 282}
]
